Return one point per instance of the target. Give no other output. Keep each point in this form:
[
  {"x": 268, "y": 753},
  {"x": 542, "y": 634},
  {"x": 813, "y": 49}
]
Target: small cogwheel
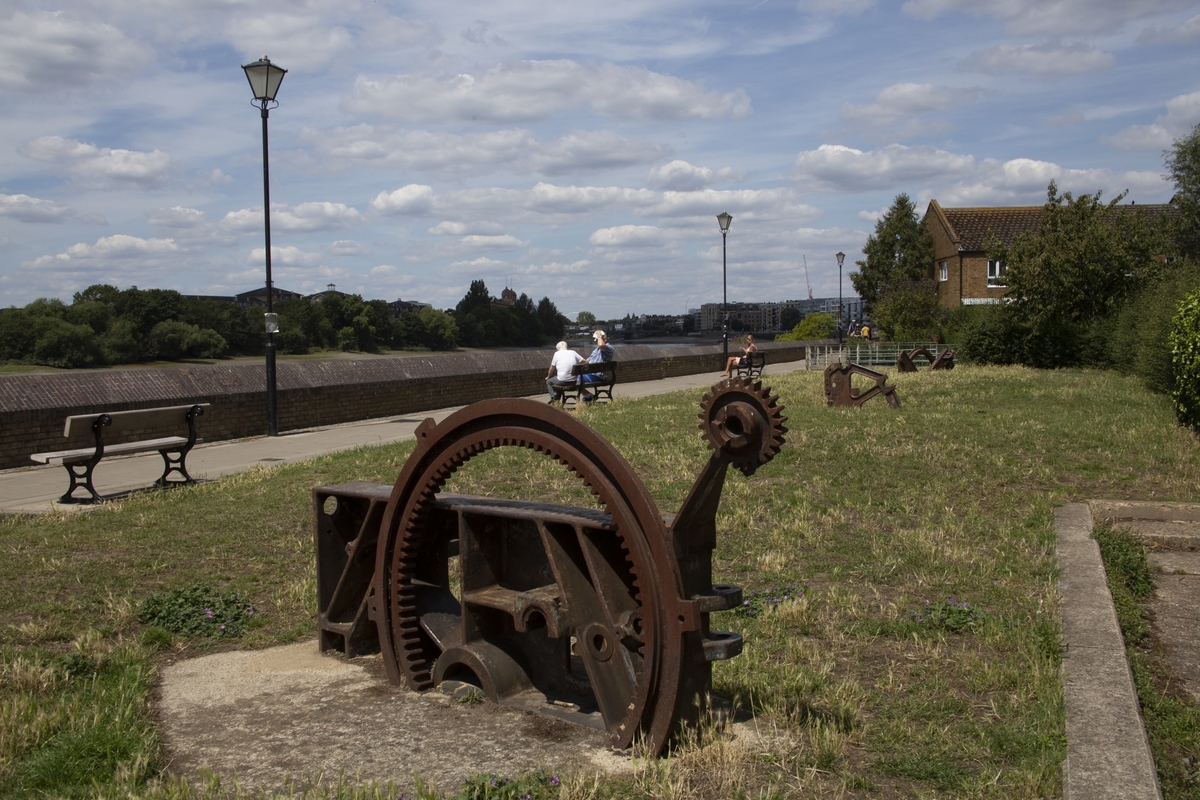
[{"x": 743, "y": 423}]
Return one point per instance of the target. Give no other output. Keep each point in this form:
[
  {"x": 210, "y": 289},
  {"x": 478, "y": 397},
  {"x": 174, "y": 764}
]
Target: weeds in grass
[
  {"x": 950, "y": 614},
  {"x": 198, "y": 610}
]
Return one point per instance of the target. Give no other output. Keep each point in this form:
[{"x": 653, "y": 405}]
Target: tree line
[{"x": 104, "y": 325}]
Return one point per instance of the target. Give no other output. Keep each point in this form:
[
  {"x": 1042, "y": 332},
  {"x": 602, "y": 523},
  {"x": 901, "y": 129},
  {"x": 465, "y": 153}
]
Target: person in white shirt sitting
[{"x": 560, "y": 375}]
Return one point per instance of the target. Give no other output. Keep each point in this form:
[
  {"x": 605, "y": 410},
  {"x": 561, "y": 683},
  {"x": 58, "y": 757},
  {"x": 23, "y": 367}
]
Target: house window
[
  {"x": 944, "y": 270},
  {"x": 995, "y": 272}
]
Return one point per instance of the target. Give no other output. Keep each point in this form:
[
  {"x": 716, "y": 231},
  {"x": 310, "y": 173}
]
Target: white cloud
[
  {"x": 680, "y": 176},
  {"x": 1044, "y": 60},
  {"x": 501, "y": 242},
  {"x": 629, "y": 236},
  {"x": 302, "y": 41},
  {"x": 383, "y": 271},
  {"x": 524, "y": 91},
  {"x": 32, "y": 209},
  {"x": 898, "y": 111},
  {"x": 302, "y": 218},
  {"x": 290, "y": 256},
  {"x": 103, "y": 166},
  {"x": 348, "y": 247},
  {"x": 1052, "y": 17},
  {"x": 1183, "y": 113},
  {"x": 413, "y": 199},
  {"x": 842, "y": 168},
  {"x": 178, "y": 217},
  {"x": 55, "y": 51},
  {"x": 1023, "y": 181},
  {"x": 588, "y": 151},
  {"x": 1189, "y": 31},
  {"x": 120, "y": 247},
  {"x": 453, "y": 228}
]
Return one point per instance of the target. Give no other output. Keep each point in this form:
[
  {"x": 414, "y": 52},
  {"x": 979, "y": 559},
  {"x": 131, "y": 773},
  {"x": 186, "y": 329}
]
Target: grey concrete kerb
[{"x": 1108, "y": 754}]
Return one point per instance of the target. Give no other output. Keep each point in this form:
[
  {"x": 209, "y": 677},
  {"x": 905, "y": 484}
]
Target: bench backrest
[
  {"x": 608, "y": 368},
  {"x": 169, "y": 416}
]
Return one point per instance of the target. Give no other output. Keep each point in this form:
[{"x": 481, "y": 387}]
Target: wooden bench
[
  {"x": 82, "y": 462},
  {"x": 753, "y": 368},
  {"x": 601, "y": 389}
]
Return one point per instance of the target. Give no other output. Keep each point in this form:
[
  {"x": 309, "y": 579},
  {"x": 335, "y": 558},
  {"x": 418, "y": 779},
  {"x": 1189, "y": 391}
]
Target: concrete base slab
[
  {"x": 291, "y": 713},
  {"x": 1176, "y": 609}
]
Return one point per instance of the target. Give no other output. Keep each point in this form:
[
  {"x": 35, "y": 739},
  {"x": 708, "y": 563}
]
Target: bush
[
  {"x": 909, "y": 312},
  {"x": 987, "y": 335},
  {"x": 1185, "y": 360},
  {"x": 1139, "y": 343},
  {"x": 61, "y": 344}
]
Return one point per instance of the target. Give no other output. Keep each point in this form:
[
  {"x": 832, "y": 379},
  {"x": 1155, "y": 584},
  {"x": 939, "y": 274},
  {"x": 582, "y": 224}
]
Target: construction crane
[{"x": 806, "y": 280}]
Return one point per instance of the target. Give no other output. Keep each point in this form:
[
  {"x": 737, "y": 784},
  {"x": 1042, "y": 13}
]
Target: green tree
[
  {"x": 1081, "y": 264},
  {"x": 60, "y": 344},
  {"x": 553, "y": 323},
  {"x": 585, "y": 318},
  {"x": 1183, "y": 166},
  {"x": 789, "y": 318},
  {"x": 813, "y": 327},
  {"x": 909, "y": 312},
  {"x": 900, "y": 251}
]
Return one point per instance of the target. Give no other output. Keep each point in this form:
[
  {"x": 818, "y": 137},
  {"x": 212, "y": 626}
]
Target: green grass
[{"x": 856, "y": 690}]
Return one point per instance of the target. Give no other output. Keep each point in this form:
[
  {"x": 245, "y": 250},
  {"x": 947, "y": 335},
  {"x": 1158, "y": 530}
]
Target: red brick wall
[{"x": 308, "y": 393}]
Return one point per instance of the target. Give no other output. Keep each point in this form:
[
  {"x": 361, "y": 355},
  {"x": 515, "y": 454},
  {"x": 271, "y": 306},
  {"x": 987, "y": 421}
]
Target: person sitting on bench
[
  {"x": 559, "y": 374},
  {"x": 744, "y": 359},
  {"x": 600, "y": 355}
]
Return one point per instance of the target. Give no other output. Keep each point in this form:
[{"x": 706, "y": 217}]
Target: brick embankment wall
[{"x": 308, "y": 393}]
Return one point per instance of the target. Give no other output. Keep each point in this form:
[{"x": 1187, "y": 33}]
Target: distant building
[
  {"x": 506, "y": 300},
  {"x": 258, "y": 297},
  {"x": 330, "y": 291},
  {"x": 766, "y": 316}
]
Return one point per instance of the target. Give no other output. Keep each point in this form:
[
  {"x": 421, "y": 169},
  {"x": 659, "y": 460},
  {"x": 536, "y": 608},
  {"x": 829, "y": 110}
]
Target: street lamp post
[
  {"x": 265, "y": 78},
  {"x": 840, "y": 322},
  {"x": 723, "y": 219}
]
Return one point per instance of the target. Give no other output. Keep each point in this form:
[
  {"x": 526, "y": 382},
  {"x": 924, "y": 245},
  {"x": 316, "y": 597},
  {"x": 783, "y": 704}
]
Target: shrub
[
  {"x": 1139, "y": 343},
  {"x": 988, "y": 335},
  {"x": 1185, "y": 360},
  {"x": 61, "y": 344}
]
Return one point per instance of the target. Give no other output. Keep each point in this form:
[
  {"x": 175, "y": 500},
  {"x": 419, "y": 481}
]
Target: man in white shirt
[{"x": 559, "y": 375}]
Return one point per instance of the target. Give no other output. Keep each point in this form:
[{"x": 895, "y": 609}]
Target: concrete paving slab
[
  {"x": 1108, "y": 755},
  {"x": 1176, "y": 611},
  {"x": 289, "y": 712}
]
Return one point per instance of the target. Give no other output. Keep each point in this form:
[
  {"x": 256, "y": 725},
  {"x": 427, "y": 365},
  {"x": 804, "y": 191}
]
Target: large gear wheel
[
  {"x": 743, "y": 422},
  {"x": 604, "y": 585}
]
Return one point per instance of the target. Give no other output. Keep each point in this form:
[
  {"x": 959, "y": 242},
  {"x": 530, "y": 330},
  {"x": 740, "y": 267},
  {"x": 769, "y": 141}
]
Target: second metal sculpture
[{"x": 596, "y": 616}]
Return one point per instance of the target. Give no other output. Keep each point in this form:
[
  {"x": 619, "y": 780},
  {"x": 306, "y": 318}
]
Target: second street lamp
[
  {"x": 840, "y": 322},
  {"x": 723, "y": 219},
  {"x": 264, "y": 79}
]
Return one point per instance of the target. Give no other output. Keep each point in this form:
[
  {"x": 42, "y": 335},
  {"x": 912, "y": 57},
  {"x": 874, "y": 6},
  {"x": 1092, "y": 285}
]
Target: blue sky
[{"x": 579, "y": 150}]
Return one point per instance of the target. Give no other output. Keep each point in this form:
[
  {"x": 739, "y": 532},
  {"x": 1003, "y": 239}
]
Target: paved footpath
[{"x": 36, "y": 489}]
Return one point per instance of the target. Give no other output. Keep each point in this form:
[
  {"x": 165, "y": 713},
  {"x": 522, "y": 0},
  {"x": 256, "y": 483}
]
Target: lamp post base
[{"x": 272, "y": 419}]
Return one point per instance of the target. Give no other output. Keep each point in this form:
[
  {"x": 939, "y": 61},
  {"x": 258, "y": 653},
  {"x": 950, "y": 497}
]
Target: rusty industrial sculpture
[
  {"x": 905, "y": 363},
  {"x": 839, "y": 391},
  {"x": 595, "y": 616}
]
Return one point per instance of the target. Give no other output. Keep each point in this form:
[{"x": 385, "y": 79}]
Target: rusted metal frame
[{"x": 840, "y": 392}]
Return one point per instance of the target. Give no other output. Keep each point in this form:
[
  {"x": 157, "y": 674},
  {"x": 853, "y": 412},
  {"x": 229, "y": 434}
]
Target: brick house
[{"x": 965, "y": 275}]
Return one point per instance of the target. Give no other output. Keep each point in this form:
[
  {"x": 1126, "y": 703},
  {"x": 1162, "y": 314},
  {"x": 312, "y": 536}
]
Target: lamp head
[
  {"x": 264, "y": 78},
  {"x": 840, "y": 257},
  {"x": 723, "y": 219}
]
